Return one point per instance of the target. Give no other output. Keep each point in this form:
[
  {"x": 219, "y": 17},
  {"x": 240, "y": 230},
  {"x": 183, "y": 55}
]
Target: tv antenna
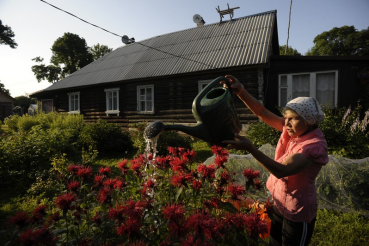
[{"x": 228, "y": 11}]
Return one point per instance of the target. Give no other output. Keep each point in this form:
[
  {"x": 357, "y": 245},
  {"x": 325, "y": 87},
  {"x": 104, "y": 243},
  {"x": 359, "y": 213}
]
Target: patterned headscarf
[{"x": 308, "y": 108}]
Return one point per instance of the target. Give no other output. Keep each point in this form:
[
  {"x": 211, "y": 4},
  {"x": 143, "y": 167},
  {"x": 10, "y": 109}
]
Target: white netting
[{"x": 341, "y": 184}]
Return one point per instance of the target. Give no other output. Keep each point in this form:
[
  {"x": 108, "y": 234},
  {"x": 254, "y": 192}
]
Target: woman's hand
[
  {"x": 240, "y": 143},
  {"x": 236, "y": 86}
]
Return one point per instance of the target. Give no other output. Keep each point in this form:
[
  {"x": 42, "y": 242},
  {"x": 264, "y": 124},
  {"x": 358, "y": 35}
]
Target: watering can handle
[{"x": 211, "y": 85}]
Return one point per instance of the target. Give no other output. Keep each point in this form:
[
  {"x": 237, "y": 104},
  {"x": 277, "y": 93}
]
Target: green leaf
[
  {"x": 228, "y": 207},
  {"x": 179, "y": 193}
]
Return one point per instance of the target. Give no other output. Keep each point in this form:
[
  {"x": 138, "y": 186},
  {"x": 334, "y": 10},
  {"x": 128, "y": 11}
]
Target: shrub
[
  {"x": 105, "y": 137},
  {"x": 261, "y": 133},
  {"x": 345, "y": 133},
  {"x": 24, "y": 154},
  {"x": 166, "y": 138}
]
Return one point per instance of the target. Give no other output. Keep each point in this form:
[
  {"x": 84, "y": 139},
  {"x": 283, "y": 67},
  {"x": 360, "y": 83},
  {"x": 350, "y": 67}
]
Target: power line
[{"x": 150, "y": 47}]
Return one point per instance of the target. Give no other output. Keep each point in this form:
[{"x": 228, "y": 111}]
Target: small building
[{"x": 6, "y": 105}]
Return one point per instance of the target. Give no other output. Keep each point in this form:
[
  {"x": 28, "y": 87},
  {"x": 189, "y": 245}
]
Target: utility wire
[{"x": 150, "y": 47}]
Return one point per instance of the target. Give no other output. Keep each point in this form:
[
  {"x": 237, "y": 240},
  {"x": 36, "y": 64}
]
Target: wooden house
[
  {"x": 6, "y": 105},
  {"x": 158, "y": 78}
]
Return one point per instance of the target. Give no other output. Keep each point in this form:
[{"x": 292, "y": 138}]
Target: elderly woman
[{"x": 300, "y": 154}]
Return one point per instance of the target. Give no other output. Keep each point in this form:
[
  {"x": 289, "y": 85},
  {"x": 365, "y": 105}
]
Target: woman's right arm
[{"x": 255, "y": 106}]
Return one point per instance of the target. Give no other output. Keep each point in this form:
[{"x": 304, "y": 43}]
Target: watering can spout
[{"x": 156, "y": 127}]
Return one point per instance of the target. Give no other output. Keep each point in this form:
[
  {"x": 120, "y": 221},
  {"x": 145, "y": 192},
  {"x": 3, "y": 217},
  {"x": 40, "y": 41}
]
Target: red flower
[
  {"x": 21, "y": 219},
  {"x": 178, "y": 165},
  {"x": 257, "y": 184},
  {"x": 250, "y": 175},
  {"x": 74, "y": 168},
  {"x": 105, "y": 171},
  {"x": 84, "y": 172},
  {"x": 220, "y": 160},
  {"x": 64, "y": 202},
  {"x": 55, "y": 217},
  {"x": 73, "y": 186},
  {"x": 104, "y": 195},
  {"x": 181, "y": 179},
  {"x": 224, "y": 178},
  {"x": 196, "y": 184},
  {"x": 213, "y": 203},
  {"x": 201, "y": 223},
  {"x": 123, "y": 166},
  {"x": 131, "y": 227},
  {"x": 119, "y": 184},
  {"x": 117, "y": 213},
  {"x": 174, "y": 212},
  {"x": 109, "y": 183},
  {"x": 206, "y": 171},
  {"x": 255, "y": 225},
  {"x": 189, "y": 155},
  {"x": 176, "y": 151},
  {"x": 134, "y": 209},
  {"x": 219, "y": 151},
  {"x": 99, "y": 180},
  {"x": 236, "y": 221},
  {"x": 236, "y": 190},
  {"x": 163, "y": 163},
  {"x": 39, "y": 213},
  {"x": 40, "y": 236}
]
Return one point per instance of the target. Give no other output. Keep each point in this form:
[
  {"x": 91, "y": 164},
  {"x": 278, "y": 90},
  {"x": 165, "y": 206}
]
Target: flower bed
[{"x": 165, "y": 200}]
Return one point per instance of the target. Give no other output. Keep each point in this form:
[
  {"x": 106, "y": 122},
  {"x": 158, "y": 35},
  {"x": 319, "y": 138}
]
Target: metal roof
[{"x": 239, "y": 42}]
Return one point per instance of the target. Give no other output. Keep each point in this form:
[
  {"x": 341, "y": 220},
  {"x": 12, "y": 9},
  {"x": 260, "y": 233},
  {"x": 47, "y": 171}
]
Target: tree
[
  {"x": 2, "y": 88},
  {"x": 98, "y": 51},
  {"x": 341, "y": 41},
  {"x": 24, "y": 102},
  {"x": 7, "y": 35},
  {"x": 290, "y": 51},
  {"x": 69, "y": 53}
]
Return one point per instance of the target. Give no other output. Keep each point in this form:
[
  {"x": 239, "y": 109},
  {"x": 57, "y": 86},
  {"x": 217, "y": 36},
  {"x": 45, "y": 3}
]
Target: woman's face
[{"x": 295, "y": 124}]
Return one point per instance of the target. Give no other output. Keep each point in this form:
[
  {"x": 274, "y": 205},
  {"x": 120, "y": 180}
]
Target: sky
[{"x": 37, "y": 25}]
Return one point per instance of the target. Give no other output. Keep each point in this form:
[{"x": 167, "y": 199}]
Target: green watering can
[{"x": 214, "y": 112}]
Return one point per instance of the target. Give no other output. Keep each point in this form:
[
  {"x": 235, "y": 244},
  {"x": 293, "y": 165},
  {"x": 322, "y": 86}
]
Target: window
[
  {"x": 145, "y": 99},
  {"x": 47, "y": 105},
  {"x": 320, "y": 85},
  {"x": 203, "y": 83},
  {"x": 74, "y": 107},
  {"x": 112, "y": 101}
]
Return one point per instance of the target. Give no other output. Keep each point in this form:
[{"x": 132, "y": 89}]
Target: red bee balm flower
[
  {"x": 84, "y": 172},
  {"x": 250, "y": 175},
  {"x": 174, "y": 212},
  {"x": 73, "y": 186},
  {"x": 236, "y": 190},
  {"x": 123, "y": 166},
  {"x": 64, "y": 202},
  {"x": 21, "y": 219},
  {"x": 105, "y": 171}
]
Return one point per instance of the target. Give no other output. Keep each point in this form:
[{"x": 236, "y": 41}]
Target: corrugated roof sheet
[{"x": 242, "y": 41}]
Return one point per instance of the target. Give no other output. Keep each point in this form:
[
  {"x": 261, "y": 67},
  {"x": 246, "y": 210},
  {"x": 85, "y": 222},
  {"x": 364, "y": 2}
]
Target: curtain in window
[
  {"x": 325, "y": 88},
  {"x": 300, "y": 85}
]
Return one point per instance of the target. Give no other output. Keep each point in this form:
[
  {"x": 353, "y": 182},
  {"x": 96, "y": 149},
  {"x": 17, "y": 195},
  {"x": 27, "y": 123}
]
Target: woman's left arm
[{"x": 293, "y": 164}]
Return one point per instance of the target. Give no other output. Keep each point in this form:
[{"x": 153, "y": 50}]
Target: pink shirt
[{"x": 295, "y": 195}]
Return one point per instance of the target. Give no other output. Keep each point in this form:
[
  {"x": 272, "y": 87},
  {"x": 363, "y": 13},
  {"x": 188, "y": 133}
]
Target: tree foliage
[
  {"x": 290, "y": 51},
  {"x": 2, "y": 88},
  {"x": 98, "y": 51},
  {"x": 69, "y": 53},
  {"x": 7, "y": 36},
  {"x": 24, "y": 101},
  {"x": 341, "y": 41}
]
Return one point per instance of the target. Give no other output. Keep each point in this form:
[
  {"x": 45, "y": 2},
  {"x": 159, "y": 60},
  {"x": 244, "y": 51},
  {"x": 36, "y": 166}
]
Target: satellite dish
[
  {"x": 197, "y": 18},
  {"x": 125, "y": 39}
]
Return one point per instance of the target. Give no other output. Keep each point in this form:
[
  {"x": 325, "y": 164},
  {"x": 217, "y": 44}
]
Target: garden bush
[
  {"x": 105, "y": 137},
  {"x": 166, "y": 138},
  {"x": 24, "y": 154}
]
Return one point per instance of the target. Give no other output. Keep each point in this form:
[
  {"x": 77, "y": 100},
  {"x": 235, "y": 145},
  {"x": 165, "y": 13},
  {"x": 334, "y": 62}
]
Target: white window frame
[
  {"x": 312, "y": 89},
  {"x": 202, "y": 84},
  {"x": 139, "y": 99},
  {"x": 52, "y": 104},
  {"x": 74, "y": 110},
  {"x": 109, "y": 110}
]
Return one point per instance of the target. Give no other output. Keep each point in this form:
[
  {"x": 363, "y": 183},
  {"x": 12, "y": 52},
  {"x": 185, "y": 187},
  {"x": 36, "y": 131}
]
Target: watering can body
[{"x": 215, "y": 114}]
